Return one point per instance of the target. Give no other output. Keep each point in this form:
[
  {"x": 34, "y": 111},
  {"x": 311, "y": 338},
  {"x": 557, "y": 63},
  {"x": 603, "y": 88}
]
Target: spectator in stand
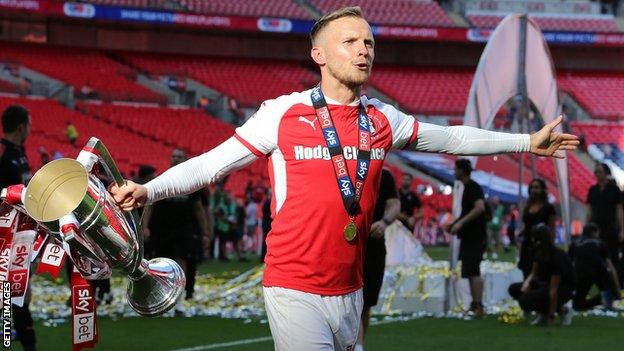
[
  {"x": 203, "y": 103},
  {"x": 238, "y": 239},
  {"x": 24, "y": 86},
  {"x": 387, "y": 208},
  {"x": 249, "y": 189},
  {"x": 593, "y": 266},
  {"x": 266, "y": 222},
  {"x": 604, "y": 207},
  {"x": 582, "y": 146},
  {"x": 470, "y": 227},
  {"x": 72, "y": 133},
  {"x": 537, "y": 210},
  {"x": 144, "y": 175},
  {"x": 550, "y": 285},
  {"x": 494, "y": 226},
  {"x": 171, "y": 225},
  {"x": 512, "y": 225},
  {"x": 44, "y": 156},
  {"x": 251, "y": 220},
  {"x": 225, "y": 222},
  {"x": 14, "y": 169},
  {"x": 411, "y": 207}
]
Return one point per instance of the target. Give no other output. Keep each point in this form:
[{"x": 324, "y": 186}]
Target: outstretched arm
[
  {"x": 186, "y": 177},
  {"x": 464, "y": 140}
]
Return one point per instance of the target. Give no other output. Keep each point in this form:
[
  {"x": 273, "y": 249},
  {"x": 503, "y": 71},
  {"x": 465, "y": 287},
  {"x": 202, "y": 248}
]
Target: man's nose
[{"x": 363, "y": 49}]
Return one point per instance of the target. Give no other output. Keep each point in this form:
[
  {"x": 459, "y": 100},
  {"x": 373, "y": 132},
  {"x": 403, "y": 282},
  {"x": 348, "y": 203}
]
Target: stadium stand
[
  {"x": 436, "y": 91},
  {"x": 49, "y": 120},
  {"x": 561, "y": 22},
  {"x": 79, "y": 67},
  {"x": 581, "y": 178},
  {"x": 200, "y": 132},
  {"x": 275, "y": 8},
  {"x": 8, "y": 87},
  {"x": 396, "y": 12},
  {"x": 600, "y": 93},
  {"x": 249, "y": 81},
  {"x": 156, "y": 4},
  {"x": 599, "y": 132}
]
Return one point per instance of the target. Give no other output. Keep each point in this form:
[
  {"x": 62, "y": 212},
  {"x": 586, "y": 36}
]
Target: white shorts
[{"x": 302, "y": 321}]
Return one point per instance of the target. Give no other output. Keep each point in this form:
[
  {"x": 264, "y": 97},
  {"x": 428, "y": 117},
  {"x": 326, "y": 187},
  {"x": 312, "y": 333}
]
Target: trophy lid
[{"x": 56, "y": 190}]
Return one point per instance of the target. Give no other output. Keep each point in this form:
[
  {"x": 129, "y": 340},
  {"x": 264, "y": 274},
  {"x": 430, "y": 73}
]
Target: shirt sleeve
[
  {"x": 259, "y": 133},
  {"x": 199, "y": 171},
  {"x": 404, "y": 127},
  {"x": 464, "y": 140}
]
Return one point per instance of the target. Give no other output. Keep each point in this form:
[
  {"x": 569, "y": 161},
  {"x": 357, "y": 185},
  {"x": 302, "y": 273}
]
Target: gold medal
[{"x": 350, "y": 231}]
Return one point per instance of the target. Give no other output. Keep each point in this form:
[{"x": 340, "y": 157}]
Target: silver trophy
[{"x": 67, "y": 199}]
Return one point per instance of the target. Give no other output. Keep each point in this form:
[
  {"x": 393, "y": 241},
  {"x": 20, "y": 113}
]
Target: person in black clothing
[
  {"x": 604, "y": 202},
  {"x": 14, "y": 169},
  {"x": 266, "y": 222},
  {"x": 174, "y": 224},
  {"x": 550, "y": 285},
  {"x": 411, "y": 207},
  {"x": 593, "y": 266},
  {"x": 387, "y": 208},
  {"x": 537, "y": 210},
  {"x": 470, "y": 227}
]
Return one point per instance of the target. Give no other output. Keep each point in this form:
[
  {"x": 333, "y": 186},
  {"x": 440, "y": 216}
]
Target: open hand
[{"x": 547, "y": 142}]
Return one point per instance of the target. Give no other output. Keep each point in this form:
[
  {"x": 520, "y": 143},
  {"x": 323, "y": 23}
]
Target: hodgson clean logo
[
  {"x": 322, "y": 152},
  {"x": 74, "y": 9},
  {"x": 279, "y": 25}
]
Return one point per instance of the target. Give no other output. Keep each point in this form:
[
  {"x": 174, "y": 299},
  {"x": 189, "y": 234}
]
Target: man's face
[
  {"x": 347, "y": 46},
  {"x": 535, "y": 189},
  {"x": 24, "y": 130},
  {"x": 600, "y": 173},
  {"x": 458, "y": 172},
  {"x": 177, "y": 157},
  {"x": 406, "y": 182}
]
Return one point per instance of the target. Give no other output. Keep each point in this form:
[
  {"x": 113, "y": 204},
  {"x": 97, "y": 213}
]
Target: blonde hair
[{"x": 322, "y": 22}]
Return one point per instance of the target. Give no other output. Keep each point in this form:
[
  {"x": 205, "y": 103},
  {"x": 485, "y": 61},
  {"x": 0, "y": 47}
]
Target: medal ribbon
[
  {"x": 350, "y": 195},
  {"x": 19, "y": 263},
  {"x": 84, "y": 318}
]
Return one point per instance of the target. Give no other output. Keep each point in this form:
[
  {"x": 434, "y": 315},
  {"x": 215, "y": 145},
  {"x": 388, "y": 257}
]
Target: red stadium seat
[
  {"x": 396, "y": 12},
  {"x": 553, "y": 23},
  {"x": 274, "y": 8},
  {"x": 79, "y": 67},
  {"x": 249, "y": 81}
]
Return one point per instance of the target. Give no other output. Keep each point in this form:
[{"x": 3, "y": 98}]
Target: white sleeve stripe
[{"x": 248, "y": 145}]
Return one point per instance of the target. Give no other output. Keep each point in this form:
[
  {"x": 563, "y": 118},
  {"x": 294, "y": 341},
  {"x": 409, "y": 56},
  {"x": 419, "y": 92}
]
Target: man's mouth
[{"x": 362, "y": 66}]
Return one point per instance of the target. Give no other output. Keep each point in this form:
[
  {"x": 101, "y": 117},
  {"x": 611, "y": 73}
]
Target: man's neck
[
  {"x": 13, "y": 138},
  {"x": 405, "y": 189},
  {"x": 337, "y": 91},
  {"x": 603, "y": 182},
  {"x": 464, "y": 180}
]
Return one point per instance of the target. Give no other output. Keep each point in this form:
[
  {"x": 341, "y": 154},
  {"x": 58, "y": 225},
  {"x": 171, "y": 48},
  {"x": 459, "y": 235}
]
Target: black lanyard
[{"x": 350, "y": 195}]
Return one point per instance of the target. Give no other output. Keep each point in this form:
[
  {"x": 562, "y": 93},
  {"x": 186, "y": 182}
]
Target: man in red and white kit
[{"x": 325, "y": 149}]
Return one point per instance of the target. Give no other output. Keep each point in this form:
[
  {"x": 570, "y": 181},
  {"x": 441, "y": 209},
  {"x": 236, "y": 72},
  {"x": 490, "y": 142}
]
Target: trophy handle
[{"x": 95, "y": 151}]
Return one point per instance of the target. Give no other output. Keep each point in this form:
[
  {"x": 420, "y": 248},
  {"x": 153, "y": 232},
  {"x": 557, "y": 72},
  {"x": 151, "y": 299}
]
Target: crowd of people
[{"x": 552, "y": 276}]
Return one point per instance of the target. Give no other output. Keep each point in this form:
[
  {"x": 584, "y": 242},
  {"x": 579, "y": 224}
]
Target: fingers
[{"x": 555, "y": 122}]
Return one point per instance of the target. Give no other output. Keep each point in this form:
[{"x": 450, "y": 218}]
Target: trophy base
[{"x": 158, "y": 290}]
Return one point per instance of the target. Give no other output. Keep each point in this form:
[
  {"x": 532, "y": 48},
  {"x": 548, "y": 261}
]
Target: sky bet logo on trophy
[{"x": 69, "y": 204}]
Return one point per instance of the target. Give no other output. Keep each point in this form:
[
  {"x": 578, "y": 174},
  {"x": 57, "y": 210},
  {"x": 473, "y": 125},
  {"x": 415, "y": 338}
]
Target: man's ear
[{"x": 318, "y": 55}]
